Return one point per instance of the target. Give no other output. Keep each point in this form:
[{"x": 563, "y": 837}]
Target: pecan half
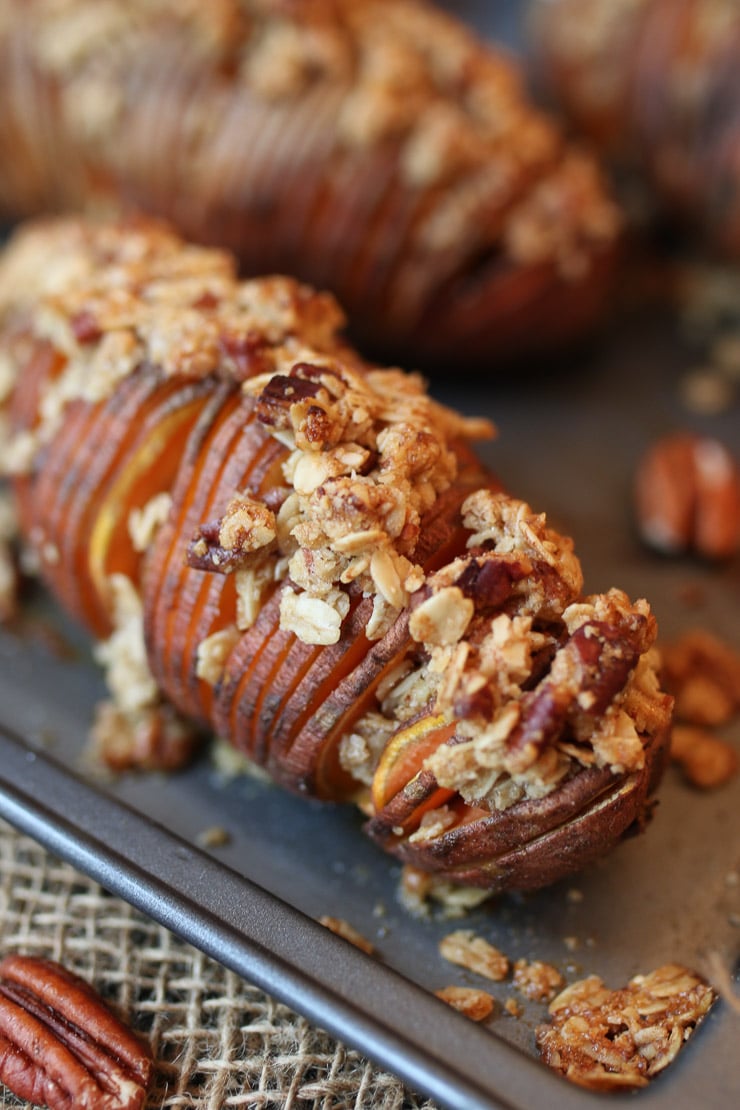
[
  {"x": 61, "y": 1046},
  {"x": 687, "y": 496}
]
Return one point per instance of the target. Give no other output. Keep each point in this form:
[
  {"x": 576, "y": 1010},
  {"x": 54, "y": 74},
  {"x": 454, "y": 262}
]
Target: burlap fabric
[{"x": 218, "y": 1041}]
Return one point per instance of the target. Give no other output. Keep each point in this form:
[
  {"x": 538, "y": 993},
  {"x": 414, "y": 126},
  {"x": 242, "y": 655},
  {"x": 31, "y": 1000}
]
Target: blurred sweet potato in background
[
  {"x": 655, "y": 85},
  {"x": 373, "y": 147}
]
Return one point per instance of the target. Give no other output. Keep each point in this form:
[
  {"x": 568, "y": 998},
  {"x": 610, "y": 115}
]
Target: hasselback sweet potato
[
  {"x": 372, "y": 147},
  {"x": 655, "y": 85},
  {"x": 300, "y": 550}
]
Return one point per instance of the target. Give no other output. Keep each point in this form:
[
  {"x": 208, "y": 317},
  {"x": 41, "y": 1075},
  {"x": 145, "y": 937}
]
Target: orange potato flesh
[
  {"x": 404, "y": 755},
  {"x": 149, "y": 470}
]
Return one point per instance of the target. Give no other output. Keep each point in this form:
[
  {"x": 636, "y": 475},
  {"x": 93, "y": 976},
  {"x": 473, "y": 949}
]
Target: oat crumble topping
[
  {"x": 419, "y": 891},
  {"x": 113, "y": 296},
  {"x": 136, "y": 727}
]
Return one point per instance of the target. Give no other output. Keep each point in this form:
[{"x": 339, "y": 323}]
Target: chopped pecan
[
  {"x": 224, "y": 545},
  {"x": 687, "y": 496},
  {"x": 488, "y": 580},
  {"x": 85, "y": 327},
  {"x": 246, "y": 355},
  {"x": 703, "y": 673},
  {"x": 706, "y": 760},
  {"x": 60, "y": 1044},
  {"x": 280, "y": 392}
]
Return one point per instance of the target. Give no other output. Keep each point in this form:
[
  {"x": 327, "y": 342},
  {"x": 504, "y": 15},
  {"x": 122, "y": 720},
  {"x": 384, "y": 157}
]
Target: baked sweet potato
[
  {"x": 300, "y": 550},
  {"x": 654, "y": 85}
]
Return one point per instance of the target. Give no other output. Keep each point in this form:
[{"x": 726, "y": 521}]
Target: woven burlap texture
[{"x": 218, "y": 1041}]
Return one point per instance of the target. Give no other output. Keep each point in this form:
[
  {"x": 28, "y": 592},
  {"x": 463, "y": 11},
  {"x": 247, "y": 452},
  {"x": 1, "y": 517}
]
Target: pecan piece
[
  {"x": 587, "y": 673},
  {"x": 275, "y": 400},
  {"x": 61, "y": 1046},
  {"x": 687, "y": 496}
]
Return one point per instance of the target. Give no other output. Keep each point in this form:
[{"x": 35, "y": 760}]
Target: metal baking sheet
[{"x": 569, "y": 437}]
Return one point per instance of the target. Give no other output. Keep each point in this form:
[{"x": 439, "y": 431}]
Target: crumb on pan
[
  {"x": 215, "y": 836},
  {"x": 620, "y": 1039},
  {"x": 537, "y": 980},
  {"x": 473, "y": 1003},
  {"x": 474, "y": 953},
  {"x": 419, "y": 890},
  {"x": 343, "y": 929},
  {"x": 706, "y": 760}
]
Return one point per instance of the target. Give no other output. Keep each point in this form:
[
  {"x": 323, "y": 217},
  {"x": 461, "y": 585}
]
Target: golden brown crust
[{"x": 374, "y": 147}]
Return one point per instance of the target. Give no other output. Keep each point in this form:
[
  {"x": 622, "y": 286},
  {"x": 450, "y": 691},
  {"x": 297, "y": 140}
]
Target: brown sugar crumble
[{"x": 620, "y": 1039}]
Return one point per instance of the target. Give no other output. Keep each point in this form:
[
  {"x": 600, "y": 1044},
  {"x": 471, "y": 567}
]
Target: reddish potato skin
[{"x": 534, "y": 843}]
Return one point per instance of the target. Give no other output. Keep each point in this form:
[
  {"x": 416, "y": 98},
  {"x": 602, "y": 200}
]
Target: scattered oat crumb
[
  {"x": 474, "y": 953},
  {"x": 214, "y": 837},
  {"x": 537, "y": 980},
  {"x": 512, "y": 1007},
  {"x": 418, "y": 890},
  {"x": 474, "y": 1004},
  {"x": 572, "y": 943},
  {"x": 151, "y": 738},
  {"x": 342, "y": 928},
  {"x": 619, "y": 1039}
]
